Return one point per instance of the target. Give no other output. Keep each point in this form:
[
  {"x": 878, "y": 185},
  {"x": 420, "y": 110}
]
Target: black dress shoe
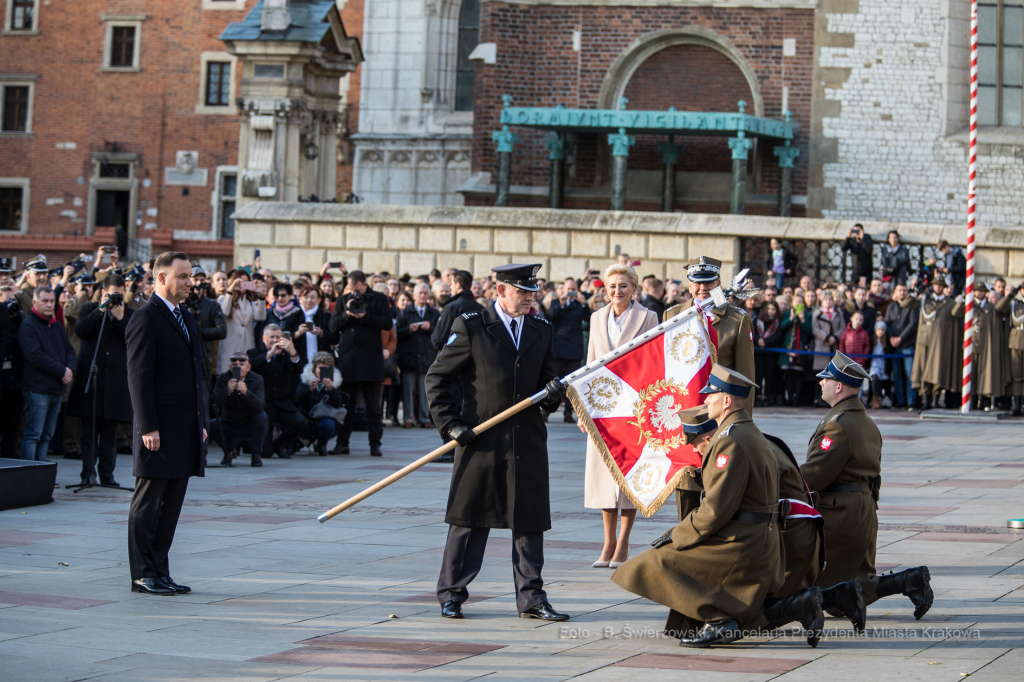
[
  {"x": 446, "y": 458},
  {"x": 543, "y": 611},
  {"x": 375, "y": 451},
  {"x": 87, "y": 480},
  {"x": 451, "y": 609},
  {"x": 340, "y": 450},
  {"x": 169, "y": 582},
  {"x": 152, "y": 586},
  {"x": 111, "y": 482},
  {"x": 715, "y": 632},
  {"x": 256, "y": 460}
]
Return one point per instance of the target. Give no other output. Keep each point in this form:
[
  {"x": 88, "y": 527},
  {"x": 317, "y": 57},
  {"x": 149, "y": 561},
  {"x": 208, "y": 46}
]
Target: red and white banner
[{"x": 630, "y": 407}]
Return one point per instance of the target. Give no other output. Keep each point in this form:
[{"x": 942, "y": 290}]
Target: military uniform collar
[
  {"x": 849, "y": 404},
  {"x": 737, "y": 417}
]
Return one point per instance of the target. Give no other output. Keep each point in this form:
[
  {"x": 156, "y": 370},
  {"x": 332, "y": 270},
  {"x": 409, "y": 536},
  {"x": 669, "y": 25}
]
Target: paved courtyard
[{"x": 278, "y": 596}]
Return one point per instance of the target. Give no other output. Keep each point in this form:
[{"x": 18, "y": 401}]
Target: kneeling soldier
[
  {"x": 719, "y": 564},
  {"x": 844, "y": 467}
]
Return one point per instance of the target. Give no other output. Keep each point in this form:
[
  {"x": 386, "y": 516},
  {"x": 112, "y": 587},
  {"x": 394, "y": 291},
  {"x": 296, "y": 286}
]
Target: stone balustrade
[{"x": 300, "y": 237}]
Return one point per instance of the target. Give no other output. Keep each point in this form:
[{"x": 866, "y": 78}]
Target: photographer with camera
[
  {"x": 860, "y": 246},
  {"x": 360, "y": 317},
  {"x": 239, "y": 397},
  {"x": 242, "y": 305},
  {"x": 320, "y": 399},
  {"x": 108, "y": 390},
  {"x": 36, "y": 275},
  {"x": 209, "y": 317},
  {"x": 311, "y": 332},
  {"x": 280, "y": 368}
]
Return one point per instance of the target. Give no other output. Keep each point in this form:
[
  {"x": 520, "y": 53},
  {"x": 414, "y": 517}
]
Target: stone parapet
[{"x": 300, "y": 237}]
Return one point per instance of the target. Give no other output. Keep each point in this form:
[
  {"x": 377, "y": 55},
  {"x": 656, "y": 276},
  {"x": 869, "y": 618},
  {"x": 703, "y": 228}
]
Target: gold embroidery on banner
[
  {"x": 655, "y": 411},
  {"x": 602, "y": 394},
  {"x": 647, "y": 478},
  {"x": 687, "y": 347}
]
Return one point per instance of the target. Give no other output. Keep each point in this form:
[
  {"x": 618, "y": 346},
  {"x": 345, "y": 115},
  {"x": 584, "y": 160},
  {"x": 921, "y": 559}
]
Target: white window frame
[
  {"x": 233, "y": 5},
  {"x": 201, "y": 106},
  {"x": 8, "y": 31},
  {"x": 26, "y": 201},
  {"x": 18, "y": 81},
  {"x": 132, "y": 21},
  {"x": 217, "y": 201}
]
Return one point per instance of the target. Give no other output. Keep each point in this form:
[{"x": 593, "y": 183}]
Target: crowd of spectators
[{"x": 294, "y": 363}]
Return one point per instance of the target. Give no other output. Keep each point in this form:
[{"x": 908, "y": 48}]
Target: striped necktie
[{"x": 177, "y": 316}]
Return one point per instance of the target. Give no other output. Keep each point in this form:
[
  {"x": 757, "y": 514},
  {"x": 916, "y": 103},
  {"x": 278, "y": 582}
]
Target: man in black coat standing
[
  {"x": 502, "y": 356},
  {"x": 567, "y": 313},
  {"x": 359, "y": 318},
  {"x": 108, "y": 391},
  {"x": 165, "y": 377},
  {"x": 416, "y": 354}
]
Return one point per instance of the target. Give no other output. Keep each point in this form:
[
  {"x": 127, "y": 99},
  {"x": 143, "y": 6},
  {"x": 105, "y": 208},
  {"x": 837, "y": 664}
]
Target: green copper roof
[{"x": 309, "y": 23}]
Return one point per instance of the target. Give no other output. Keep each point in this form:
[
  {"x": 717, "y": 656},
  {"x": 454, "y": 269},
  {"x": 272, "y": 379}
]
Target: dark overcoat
[
  {"x": 113, "y": 401},
  {"x": 165, "y": 372},
  {"x": 416, "y": 350},
  {"x": 846, "y": 450},
  {"x": 360, "y": 347},
  {"x": 567, "y": 321},
  {"x": 456, "y": 306},
  {"x": 501, "y": 480}
]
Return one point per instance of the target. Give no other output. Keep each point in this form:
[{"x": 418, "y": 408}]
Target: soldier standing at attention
[
  {"x": 502, "y": 356},
  {"x": 932, "y": 371},
  {"x": 735, "y": 338},
  {"x": 1013, "y": 306},
  {"x": 717, "y": 568},
  {"x": 844, "y": 466}
]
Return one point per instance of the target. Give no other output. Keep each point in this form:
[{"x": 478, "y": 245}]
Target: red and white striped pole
[{"x": 972, "y": 207}]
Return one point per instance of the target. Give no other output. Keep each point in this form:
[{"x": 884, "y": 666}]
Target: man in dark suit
[
  {"x": 109, "y": 387},
  {"x": 502, "y": 356},
  {"x": 278, "y": 363},
  {"x": 416, "y": 353},
  {"x": 360, "y": 317},
  {"x": 165, "y": 377},
  {"x": 567, "y": 313}
]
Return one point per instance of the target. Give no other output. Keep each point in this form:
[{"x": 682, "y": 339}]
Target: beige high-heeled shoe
[
  {"x": 599, "y": 564},
  {"x": 616, "y": 564}
]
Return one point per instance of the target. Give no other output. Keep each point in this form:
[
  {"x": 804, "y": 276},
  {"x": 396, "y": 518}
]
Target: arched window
[{"x": 465, "y": 70}]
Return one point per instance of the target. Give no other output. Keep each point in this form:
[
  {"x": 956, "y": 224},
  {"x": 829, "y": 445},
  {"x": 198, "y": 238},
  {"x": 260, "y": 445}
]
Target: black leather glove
[
  {"x": 665, "y": 539},
  {"x": 461, "y": 434},
  {"x": 555, "y": 389}
]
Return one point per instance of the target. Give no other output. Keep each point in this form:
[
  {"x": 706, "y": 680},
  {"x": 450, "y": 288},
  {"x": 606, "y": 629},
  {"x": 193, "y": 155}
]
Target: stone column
[
  {"x": 505, "y": 140},
  {"x": 740, "y": 146},
  {"x": 787, "y": 156},
  {"x": 670, "y": 155},
  {"x": 620, "y": 143},
  {"x": 556, "y": 185}
]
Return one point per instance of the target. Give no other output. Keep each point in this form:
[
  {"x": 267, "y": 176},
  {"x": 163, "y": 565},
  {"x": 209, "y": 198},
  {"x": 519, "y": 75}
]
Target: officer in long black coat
[
  {"x": 500, "y": 480},
  {"x": 109, "y": 386}
]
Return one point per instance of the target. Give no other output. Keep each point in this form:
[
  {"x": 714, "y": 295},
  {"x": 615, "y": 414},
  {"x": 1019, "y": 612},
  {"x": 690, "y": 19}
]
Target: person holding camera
[
  {"x": 213, "y": 326},
  {"x": 280, "y": 368},
  {"x": 360, "y": 318},
  {"x": 239, "y": 397},
  {"x": 108, "y": 396},
  {"x": 319, "y": 398},
  {"x": 309, "y": 325},
  {"x": 895, "y": 260},
  {"x": 242, "y": 306},
  {"x": 860, "y": 246}
]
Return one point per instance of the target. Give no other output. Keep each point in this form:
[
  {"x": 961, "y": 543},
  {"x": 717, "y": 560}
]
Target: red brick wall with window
[{"x": 538, "y": 67}]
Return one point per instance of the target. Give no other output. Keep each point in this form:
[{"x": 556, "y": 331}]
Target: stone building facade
[
  {"x": 895, "y": 104},
  {"x": 119, "y": 115}
]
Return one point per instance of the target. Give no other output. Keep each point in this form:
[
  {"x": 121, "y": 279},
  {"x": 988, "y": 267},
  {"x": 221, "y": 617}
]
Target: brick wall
[{"x": 538, "y": 67}]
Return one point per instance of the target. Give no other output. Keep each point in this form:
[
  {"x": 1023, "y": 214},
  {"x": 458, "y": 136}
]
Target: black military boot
[
  {"x": 714, "y": 632},
  {"x": 846, "y": 599},
  {"x": 804, "y": 606},
  {"x": 915, "y": 583}
]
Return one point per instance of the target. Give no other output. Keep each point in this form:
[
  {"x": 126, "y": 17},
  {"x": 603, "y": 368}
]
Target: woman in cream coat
[{"x": 613, "y": 325}]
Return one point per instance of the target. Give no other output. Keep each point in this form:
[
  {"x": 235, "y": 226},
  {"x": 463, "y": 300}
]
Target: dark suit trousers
[
  {"x": 107, "y": 432},
  {"x": 373, "y": 392},
  {"x": 464, "y": 555},
  {"x": 292, "y": 425},
  {"x": 152, "y": 518}
]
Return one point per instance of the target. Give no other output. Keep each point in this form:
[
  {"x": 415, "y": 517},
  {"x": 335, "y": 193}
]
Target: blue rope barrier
[{"x": 814, "y": 352}]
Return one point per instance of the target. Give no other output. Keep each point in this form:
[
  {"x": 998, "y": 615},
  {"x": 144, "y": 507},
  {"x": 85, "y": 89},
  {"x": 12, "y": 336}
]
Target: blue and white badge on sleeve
[{"x": 451, "y": 339}]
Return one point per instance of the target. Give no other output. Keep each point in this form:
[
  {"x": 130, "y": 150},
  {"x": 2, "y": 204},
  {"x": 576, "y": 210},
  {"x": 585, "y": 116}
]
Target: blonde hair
[{"x": 626, "y": 270}]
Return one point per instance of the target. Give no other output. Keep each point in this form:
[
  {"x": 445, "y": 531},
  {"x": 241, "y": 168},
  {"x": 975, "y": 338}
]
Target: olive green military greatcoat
[
  {"x": 990, "y": 370},
  {"x": 735, "y": 336},
  {"x": 846, "y": 449},
  {"x": 716, "y": 567},
  {"x": 1013, "y": 307},
  {"x": 801, "y": 538},
  {"x": 933, "y": 351}
]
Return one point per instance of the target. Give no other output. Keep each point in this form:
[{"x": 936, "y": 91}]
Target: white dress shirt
[
  {"x": 615, "y": 325},
  {"x": 507, "y": 319}
]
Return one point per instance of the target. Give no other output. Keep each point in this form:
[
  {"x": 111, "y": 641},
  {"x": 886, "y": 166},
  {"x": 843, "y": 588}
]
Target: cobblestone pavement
[{"x": 279, "y": 596}]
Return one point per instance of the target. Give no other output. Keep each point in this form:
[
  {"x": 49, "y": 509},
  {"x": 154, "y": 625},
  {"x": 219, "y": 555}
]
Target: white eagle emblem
[{"x": 664, "y": 415}]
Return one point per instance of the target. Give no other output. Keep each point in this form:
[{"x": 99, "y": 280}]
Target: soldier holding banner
[
  {"x": 717, "y": 568},
  {"x": 501, "y": 356}
]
